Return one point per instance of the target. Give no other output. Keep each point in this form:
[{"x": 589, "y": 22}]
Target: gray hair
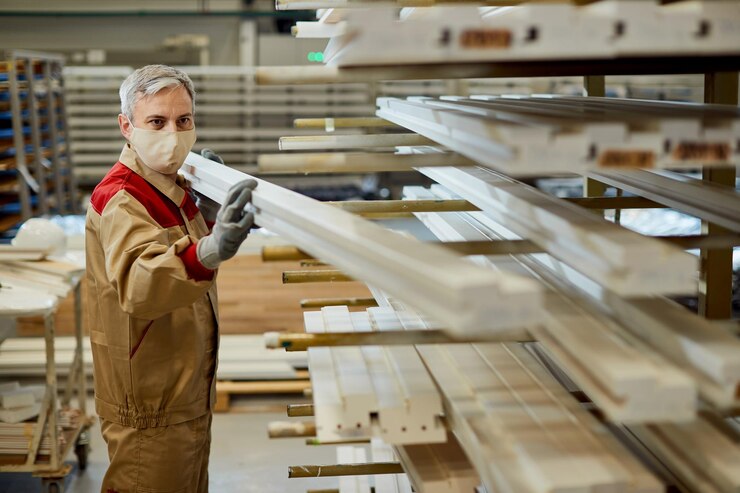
[{"x": 150, "y": 80}]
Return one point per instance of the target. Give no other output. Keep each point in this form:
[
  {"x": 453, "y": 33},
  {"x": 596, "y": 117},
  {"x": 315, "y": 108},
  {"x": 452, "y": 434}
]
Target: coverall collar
[{"x": 173, "y": 190}]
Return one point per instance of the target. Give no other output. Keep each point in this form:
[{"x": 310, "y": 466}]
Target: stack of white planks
[
  {"x": 700, "y": 454},
  {"x": 15, "y": 439},
  {"x": 46, "y": 276},
  {"x": 536, "y": 135},
  {"x": 521, "y": 430},
  {"x": 236, "y": 118},
  {"x": 654, "y": 330},
  {"x": 618, "y": 259},
  {"x": 20, "y": 403},
  {"x": 554, "y": 31},
  {"x": 352, "y": 385},
  {"x": 455, "y": 292}
]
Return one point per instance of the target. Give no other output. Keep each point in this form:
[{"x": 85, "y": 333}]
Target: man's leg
[
  {"x": 163, "y": 459},
  {"x": 203, "y": 430}
]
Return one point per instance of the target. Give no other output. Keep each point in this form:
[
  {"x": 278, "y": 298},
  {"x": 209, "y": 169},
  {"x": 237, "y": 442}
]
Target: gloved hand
[
  {"x": 231, "y": 228},
  {"x": 208, "y": 207}
]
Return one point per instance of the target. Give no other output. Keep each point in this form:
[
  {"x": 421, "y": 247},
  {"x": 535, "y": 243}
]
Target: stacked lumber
[
  {"x": 523, "y": 135},
  {"x": 554, "y": 31},
  {"x": 438, "y": 467},
  {"x": 704, "y": 351},
  {"x": 47, "y": 276},
  {"x": 20, "y": 403},
  {"x": 16, "y": 438},
  {"x": 455, "y": 292},
  {"x": 620, "y": 260},
  {"x": 370, "y": 391},
  {"x": 236, "y": 118},
  {"x": 703, "y": 454}
]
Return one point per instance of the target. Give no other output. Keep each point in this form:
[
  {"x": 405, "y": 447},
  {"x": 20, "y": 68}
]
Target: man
[{"x": 151, "y": 262}]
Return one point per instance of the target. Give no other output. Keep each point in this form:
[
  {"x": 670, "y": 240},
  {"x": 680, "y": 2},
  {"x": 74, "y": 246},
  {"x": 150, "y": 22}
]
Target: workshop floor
[{"x": 243, "y": 459}]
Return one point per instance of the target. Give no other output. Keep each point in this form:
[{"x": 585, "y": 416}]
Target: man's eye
[
  {"x": 156, "y": 122},
  {"x": 185, "y": 121}
]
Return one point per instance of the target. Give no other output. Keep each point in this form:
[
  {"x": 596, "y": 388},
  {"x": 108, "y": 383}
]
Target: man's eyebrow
[{"x": 164, "y": 117}]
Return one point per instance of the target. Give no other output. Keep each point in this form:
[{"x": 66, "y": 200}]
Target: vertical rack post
[
  {"x": 36, "y": 141},
  {"x": 715, "y": 286},
  {"x": 595, "y": 86},
  {"x": 25, "y": 180},
  {"x": 54, "y": 135},
  {"x": 70, "y": 176},
  {"x": 51, "y": 389},
  {"x": 82, "y": 382}
]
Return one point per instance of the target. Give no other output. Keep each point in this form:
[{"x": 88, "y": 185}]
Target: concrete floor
[{"x": 243, "y": 459}]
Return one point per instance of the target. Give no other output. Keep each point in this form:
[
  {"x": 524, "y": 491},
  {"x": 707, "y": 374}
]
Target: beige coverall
[{"x": 153, "y": 328}]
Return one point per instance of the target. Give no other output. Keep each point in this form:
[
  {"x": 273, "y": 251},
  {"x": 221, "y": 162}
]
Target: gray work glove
[
  {"x": 231, "y": 228},
  {"x": 208, "y": 207}
]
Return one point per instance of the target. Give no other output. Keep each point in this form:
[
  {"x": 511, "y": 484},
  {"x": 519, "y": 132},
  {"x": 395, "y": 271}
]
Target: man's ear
[{"x": 126, "y": 126}]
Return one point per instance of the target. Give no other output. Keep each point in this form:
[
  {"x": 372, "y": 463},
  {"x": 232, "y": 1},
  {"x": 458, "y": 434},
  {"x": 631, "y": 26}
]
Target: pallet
[{"x": 226, "y": 389}]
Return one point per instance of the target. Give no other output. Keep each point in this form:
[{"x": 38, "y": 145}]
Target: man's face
[{"x": 171, "y": 110}]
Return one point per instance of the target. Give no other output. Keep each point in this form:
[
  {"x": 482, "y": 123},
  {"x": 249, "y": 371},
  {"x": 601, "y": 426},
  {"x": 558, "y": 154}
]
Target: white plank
[{"x": 455, "y": 292}]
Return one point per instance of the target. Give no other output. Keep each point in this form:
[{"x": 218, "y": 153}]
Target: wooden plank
[
  {"x": 354, "y": 162},
  {"x": 438, "y": 468},
  {"x": 715, "y": 203},
  {"x": 329, "y": 124},
  {"x": 333, "y": 470},
  {"x": 456, "y": 293},
  {"x": 340, "y": 142},
  {"x": 613, "y": 256},
  {"x": 302, "y": 276}
]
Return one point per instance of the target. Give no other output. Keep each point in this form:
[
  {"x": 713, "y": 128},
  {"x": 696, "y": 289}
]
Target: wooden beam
[
  {"x": 322, "y": 302},
  {"x": 329, "y": 124},
  {"x": 300, "y": 342},
  {"x": 603, "y": 203},
  {"x": 312, "y": 262},
  {"x": 518, "y": 247},
  {"x": 300, "y": 410},
  {"x": 354, "y": 162},
  {"x": 348, "y": 441},
  {"x": 379, "y": 206},
  {"x": 291, "y": 429},
  {"x": 283, "y": 253},
  {"x": 333, "y": 470},
  {"x": 304, "y": 276},
  {"x": 340, "y": 142},
  {"x": 715, "y": 202}
]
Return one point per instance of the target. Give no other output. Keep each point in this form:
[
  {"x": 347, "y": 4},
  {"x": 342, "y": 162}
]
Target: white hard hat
[{"x": 41, "y": 233}]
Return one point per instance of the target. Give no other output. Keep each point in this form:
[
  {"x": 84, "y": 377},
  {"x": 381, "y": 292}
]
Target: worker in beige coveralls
[{"x": 152, "y": 254}]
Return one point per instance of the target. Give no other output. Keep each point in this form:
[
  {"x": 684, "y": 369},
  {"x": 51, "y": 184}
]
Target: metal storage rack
[
  {"x": 37, "y": 171},
  {"x": 235, "y": 117},
  {"x": 51, "y": 467},
  {"x": 720, "y": 87}
]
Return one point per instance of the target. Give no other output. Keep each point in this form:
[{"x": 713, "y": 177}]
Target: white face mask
[{"x": 160, "y": 150}]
